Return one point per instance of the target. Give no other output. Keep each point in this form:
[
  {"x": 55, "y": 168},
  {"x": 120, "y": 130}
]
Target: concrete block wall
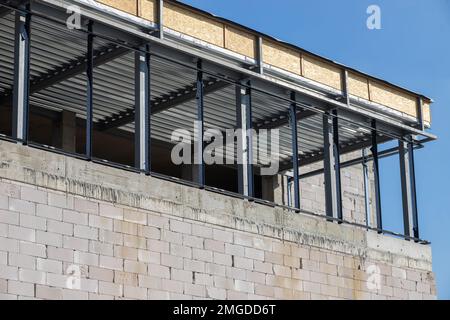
[{"x": 71, "y": 229}]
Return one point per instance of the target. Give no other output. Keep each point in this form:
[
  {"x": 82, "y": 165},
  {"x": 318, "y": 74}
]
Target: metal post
[
  {"x": 245, "y": 145},
  {"x": 295, "y": 163},
  {"x": 89, "y": 89},
  {"x": 376, "y": 173},
  {"x": 406, "y": 172},
  {"x": 414, "y": 191},
  {"x": 260, "y": 56},
  {"x": 366, "y": 186},
  {"x": 142, "y": 101},
  {"x": 420, "y": 114},
  {"x": 200, "y": 162},
  {"x": 161, "y": 18},
  {"x": 21, "y": 74},
  {"x": 331, "y": 167},
  {"x": 345, "y": 87}
]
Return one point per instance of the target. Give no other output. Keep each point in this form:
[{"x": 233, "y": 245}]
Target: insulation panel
[
  {"x": 321, "y": 71},
  {"x": 393, "y": 98},
  {"x": 240, "y": 41},
  {"x": 147, "y": 9},
  {"x": 281, "y": 57},
  {"x": 358, "y": 85},
  {"x": 129, "y": 6},
  {"x": 193, "y": 24}
]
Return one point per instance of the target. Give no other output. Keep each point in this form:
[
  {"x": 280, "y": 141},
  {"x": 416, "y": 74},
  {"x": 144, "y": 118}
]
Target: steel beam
[
  {"x": 160, "y": 12},
  {"x": 295, "y": 152},
  {"x": 408, "y": 193},
  {"x": 21, "y": 74},
  {"x": 282, "y": 119},
  {"x": 331, "y": 168},
  {"x": 260, "y": 56},
  {"x": 163, "y": 103},
  {"x": 89, "y": 90},
  {"x": 421, "y": 121},
  {"x": 365, "y": 172},
  {"x": 142, "y": 116},
  {"x": 199, "y": 141},
  {"x": 376, "y": 174},
  {"x": 245, "y": 143}
]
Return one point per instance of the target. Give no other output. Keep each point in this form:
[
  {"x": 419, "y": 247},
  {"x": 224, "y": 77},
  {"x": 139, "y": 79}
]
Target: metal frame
[
  {"x": 333, "y": 198},
  {"x": 295, "y": 162},
  {"x": 142, "y": 114},
  {"x": 376, "y": 174},
  {"x": 409, "y": 200},
  {"x": 89, "y": 90},
  {"x": 332, "y": 164},
  {"x": 245, "y": 142},
  {"x": 21, "y": 74},
  {"x": 199, "y": 138}
]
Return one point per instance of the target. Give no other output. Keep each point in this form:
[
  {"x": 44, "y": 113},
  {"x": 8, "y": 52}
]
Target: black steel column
[
  {"x": 21, "y": 74},
  {"x": 408, "y": 195},
  {"x": 142, "y": 114},
  {"x": 376, "y": 173},
  {"x": 295, "y": 163},
  {"x": 332, "y": 166},
  {"x": 245, "y": 143},
  {"x": 89, "y": 90},
  {"x": 414, "y": 191},
  {"x": 199, "y": 149}
]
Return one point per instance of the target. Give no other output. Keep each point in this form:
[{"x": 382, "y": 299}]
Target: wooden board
[
  {"x": 193, "y": 24},
  {"x": 320, "y": 71},
  {"x": 147, "y": 9},
  {"x": 281, "y": 57},
  {"x": 394, "y": 98},
  {"x": 129, "y": 6},
  {"x": 358, "y": 85},
  {"x": 240, "y": 41}
]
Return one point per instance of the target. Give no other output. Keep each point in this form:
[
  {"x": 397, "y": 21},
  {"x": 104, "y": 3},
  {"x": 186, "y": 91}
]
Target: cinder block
[
  {"x": 134, "y": 241},
  {"x": 47, "y": 265},
  {"x": 125, "y": 227},
  {"x": 74, "y": 295},
  {"x": 243, "y": 263},
  {"x": 158, "y": 246},
  {"x": 192, "y": 265},
  {"x": 75, "y": 243},
  {"x": 86, "y": 206},
  {"x": 254, "y": 254},
  {"x": 63, "y": 201},
  {"x": 159, "y": 271},
  {"x": 195, "y": 290},
  {"x": 85, "y": 232},
  {"x": 171, "y": 261},
  {"x": 75, "y": 217},
  {"x": 110, "y": 211},
  {"x": 263, "y": 267},
  {"x": 193, "y": 241},
  {"x": 48, "y": 212},
  {"x": 135, "y": 267},
  {"x": 45, "y": 292},
  {"x": 111, "y": 237},
  {"x": 224, "y": 236},
  {"x": 3, "y": 202},
  {"x": 32, "y": 276},
  {"x": 158, "y": 295},
  {"x": 234, "y": 250},
  {"x": 9, "y": 272},
  {"x": 149, "y": 256},
  {"x": 126, "y": 278},
  {"x": 109, "y": 288},
  {"x": 32, "y": 249},
  {"x": 180, "y": 226},
  {"x": 135, "y": 293},
  {"x": 182, "y": 275},
  {"x": 172, "y": 286},
  {"x": 214, "y": 245},
  {"x": 8, "y": 217},
  {"x": 84, "y": 258},
  {"x": 23, "y": 261},
  {"x": 60, "y": 227},
  {"x": 101, "y": 248},
  {"x": 134, "y": 216},
  {"x": 19, "y": 233},
  {"x": 33, "y": 222},
  {"x": 60, "y": 254},
  {"x": 10, "y": 245},
  {"x": 222, "y": 259},
  {"x": 157, "y": 221},
  {"x": 149, "y": 232},
  {"x": 101, "y": 274},
  {"x": 125, "y": 252},
  {"x": 150, "y": 282},
  {"x": 111, "y": 263},
  {"x": 202, "y": 231},
  {"x": 216, "y": 293},
  {"x": 52, "y": 239},
  {"x": 202, "y": 255},
  {"x": 21, "y": 288},
  {"x": 99, "y": 222},
  {"x": 33, "y": 195}
]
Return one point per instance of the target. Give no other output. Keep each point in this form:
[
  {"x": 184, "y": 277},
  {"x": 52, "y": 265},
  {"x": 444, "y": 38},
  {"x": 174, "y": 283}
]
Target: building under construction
[{"x": 91, "y": 93}]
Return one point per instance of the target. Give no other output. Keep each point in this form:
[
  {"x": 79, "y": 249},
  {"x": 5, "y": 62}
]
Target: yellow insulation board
[
  {"x": 392, "y": 97},
  {"x": 427, "y": 112},
  {"x": 358, "y": 85},
  {"x": 321, "y": 71},
  {"x": 281, "y": 57},
  {"x": 129, "y": 6},
  {"x": 240, "y": 41},
  {"x": 147, "y": 9},
  {"x": 193, "y": 24}
]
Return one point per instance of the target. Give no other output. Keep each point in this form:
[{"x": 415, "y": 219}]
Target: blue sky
[{"x": 412, "y": 50}]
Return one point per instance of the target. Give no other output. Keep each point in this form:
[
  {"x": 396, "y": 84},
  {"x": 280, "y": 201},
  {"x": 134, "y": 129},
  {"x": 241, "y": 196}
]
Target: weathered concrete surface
[{"x": 133, "y": 236}]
